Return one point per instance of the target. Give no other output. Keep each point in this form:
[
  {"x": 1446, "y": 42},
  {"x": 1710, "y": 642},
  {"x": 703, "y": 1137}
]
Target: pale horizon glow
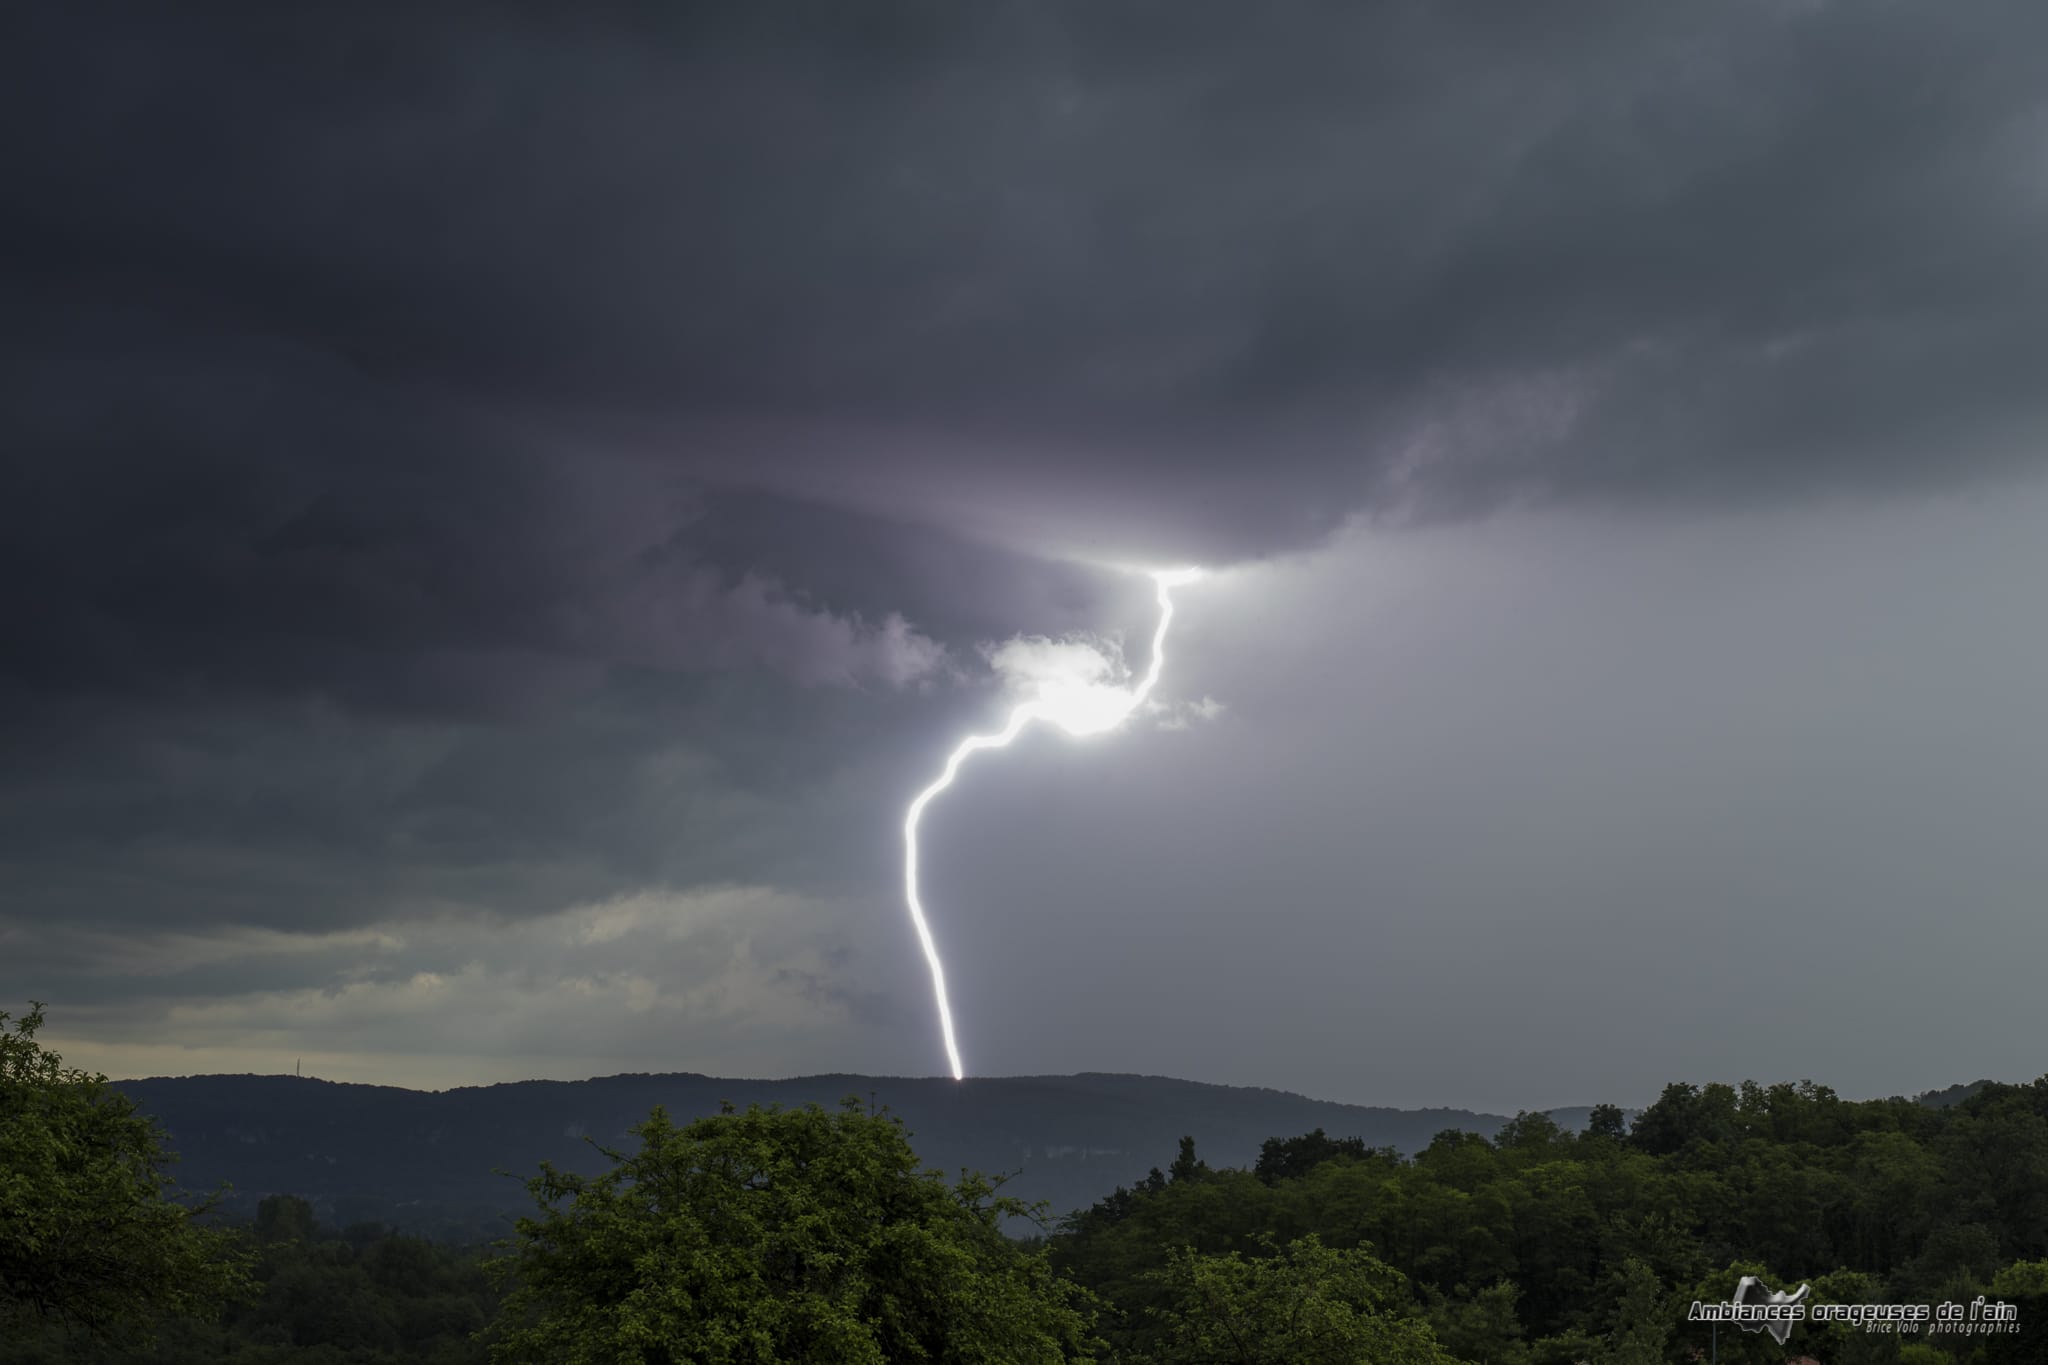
[{"x": 1081, "y": 709}]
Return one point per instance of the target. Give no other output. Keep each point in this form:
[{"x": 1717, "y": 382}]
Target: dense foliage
[
  {"x": 1302, "y": 1304},
  {"x": 810, "y": 1235},
  {"x": 361, "y": 1296},
  {"x": 89, "y": 1239},
  {"x": 1547, "y": 1246},
  {"x": 774, "y": 1235},
  {"x": 425, "y": 1161}
]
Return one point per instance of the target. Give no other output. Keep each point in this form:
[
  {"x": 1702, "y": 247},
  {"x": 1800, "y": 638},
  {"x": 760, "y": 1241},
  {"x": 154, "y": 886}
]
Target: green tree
[
  {"x": 1115, "y": 1252},
  {"x": 1305, "y": 1304},
  {"x": 1685, "y": 1114},
  {"x": 779, "y": 1235},
  {"x": 1607, "y": 1121},
  {"x": 1481, "y": 1325},
  {"x": 1291, "y": 1158},
  {"x": 1955, "y": 1263},
  {"x": 1530, "y": 1130},
  {"x": 1186, "y": 1165},
  {"x": 1846, "y": 1343},
  {"x": 2024, "y": 1286},
  {"x": 1639, "y": 1324},
  {"x": 89, "y": 1235}
]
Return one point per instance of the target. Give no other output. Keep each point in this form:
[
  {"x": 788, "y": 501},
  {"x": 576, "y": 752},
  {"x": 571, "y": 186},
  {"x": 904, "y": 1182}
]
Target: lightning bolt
[{"x": 1080, "y": 711}]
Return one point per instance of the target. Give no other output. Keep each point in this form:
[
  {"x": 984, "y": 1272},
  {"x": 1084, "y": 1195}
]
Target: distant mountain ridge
[
  {"x": 1952, "y": 1095},
  {"x": 424, "y": 1160}
]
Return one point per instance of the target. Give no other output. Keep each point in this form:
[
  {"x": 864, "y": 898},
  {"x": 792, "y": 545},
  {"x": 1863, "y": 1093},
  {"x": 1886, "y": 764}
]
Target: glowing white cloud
[{"x": 1070, "y": 693}]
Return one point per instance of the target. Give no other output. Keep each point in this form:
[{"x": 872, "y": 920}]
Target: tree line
[
  {"x": 806, "y": 1234},
  {"x": 1541, "y": 1247}
]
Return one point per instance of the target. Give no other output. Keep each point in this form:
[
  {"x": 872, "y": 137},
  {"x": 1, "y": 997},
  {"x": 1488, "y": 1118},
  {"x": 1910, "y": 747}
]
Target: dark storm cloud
[
  {"x": 1236, "y": 270},
  {"x": 218, "y": 512},
  {"x": 501, "y": 456},
  {"x": 397, "y": 355}
]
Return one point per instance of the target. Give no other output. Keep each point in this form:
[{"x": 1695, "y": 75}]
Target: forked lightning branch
[{"x": 1080, "y": 711}]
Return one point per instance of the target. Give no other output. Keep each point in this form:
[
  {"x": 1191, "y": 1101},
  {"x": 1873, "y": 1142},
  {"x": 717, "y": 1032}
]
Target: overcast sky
[{"x": 503, "y": 505}]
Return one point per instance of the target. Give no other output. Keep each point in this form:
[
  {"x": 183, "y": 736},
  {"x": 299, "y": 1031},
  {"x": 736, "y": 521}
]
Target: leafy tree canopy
[
  {"x": 779, "y": 1235},
  {"x": 89, "y": 1234},
  {"x": 1290, "y": 1158},
  {"x": 1302, "y": 1304}
]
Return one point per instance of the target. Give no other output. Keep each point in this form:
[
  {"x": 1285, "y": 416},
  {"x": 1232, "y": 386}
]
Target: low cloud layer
[{"x": 730, "y": 979}]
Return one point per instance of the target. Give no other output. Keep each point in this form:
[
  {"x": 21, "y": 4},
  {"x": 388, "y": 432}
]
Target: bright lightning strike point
[{"x": 1081, "y": 709}]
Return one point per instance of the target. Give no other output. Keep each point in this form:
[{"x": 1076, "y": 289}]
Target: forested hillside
[
  {"x": 812, "y": 1234},
  {"x": 424, "y": 1161},
  {"x": 1548, "y": 1246},
  {"x": 363, "y": 1294}
]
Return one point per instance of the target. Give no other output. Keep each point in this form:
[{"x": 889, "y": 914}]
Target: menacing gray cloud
[
  {"x": 1200, "y": 279},
  {"x": 509, "y": 456}
]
